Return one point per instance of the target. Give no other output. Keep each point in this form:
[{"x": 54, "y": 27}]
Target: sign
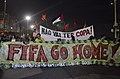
[
  {"x": 17, "y": 54},
  {"x": 81, "y": 34}
]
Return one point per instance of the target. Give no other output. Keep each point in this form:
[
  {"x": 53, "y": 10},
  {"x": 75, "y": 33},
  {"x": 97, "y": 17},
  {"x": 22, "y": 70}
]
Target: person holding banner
[
  {"x": 34, "y": 34},
  {"x": 39, "y": 39},
  {"x": 13, "y": 39},
  {"x": 25, "y": 39},
  {"x": 72, "y": 37}
]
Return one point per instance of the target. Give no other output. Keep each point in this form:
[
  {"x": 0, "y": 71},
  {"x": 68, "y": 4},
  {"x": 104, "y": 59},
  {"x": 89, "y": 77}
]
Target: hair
[{"x": 39, "y": 34}]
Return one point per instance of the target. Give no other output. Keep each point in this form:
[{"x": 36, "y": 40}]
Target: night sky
[{"x": 98, "y": 13}]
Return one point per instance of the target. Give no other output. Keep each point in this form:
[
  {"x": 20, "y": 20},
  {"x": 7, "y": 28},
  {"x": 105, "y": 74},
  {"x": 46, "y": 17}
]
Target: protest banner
[
  {"x": 81, "y": 34},
  {"x": 52, "y": 54}
]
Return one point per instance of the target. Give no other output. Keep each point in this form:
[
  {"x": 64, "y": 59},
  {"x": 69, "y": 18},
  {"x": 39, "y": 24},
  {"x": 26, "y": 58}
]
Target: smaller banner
[{"x": 81, "y": 34}]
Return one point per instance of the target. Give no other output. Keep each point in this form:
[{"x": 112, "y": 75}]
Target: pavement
[
  {"x": 19, "y": 73},
  {"x": 70, "y": 72}
]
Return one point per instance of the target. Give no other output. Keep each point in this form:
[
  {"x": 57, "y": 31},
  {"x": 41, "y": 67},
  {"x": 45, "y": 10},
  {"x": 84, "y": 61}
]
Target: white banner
[{"x": 51, "y": 35}]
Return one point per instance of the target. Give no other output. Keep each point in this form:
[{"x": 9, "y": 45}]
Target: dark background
[{"x": 99, "y": 13}]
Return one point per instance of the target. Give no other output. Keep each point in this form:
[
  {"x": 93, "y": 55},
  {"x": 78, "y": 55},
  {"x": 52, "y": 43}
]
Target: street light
[
  {"x": 115, "y": 26},
  {"x": 32, "y": 26},
  {"x": 4, "y": 16},
  {"x": 27, "y": 18}
]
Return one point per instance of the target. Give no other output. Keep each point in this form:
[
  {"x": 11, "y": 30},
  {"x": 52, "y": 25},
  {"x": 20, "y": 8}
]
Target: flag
[
  {"x": 59, "y": 20},
  {"x": 43, "y": 17},
  {"x": 62, "y": 17},
  {"x": 74, "y": 24},
  {"x": 66, "y": 27}
]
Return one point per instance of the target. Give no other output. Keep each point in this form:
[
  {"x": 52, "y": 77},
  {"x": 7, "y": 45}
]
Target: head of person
[{"x": 38, "y": 35}]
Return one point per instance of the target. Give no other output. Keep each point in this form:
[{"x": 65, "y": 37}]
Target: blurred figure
[
  {"x": 34, "y": 34},
  {"x": 13, "y": 39},
  {"x": 91, "y": 37},
  {"x": 72, "y": 37},
  {"x": 59, "y": 39},
  {"x": 39, "y": 39},
  {"x": 25, "y": 39}
]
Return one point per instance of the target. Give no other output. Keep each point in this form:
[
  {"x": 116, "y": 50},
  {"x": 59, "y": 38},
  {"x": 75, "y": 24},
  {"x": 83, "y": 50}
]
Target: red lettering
[
  {"x": 95, "y": 51},
  {"x": 77, "y": 34},
  {"x": 81, "y": 33},
  {"x": 77, "y": 50},
  {"x": 87, "y": 51},
  {"x": 24, "y": 53},
  {"x": 12, "y": 51},
  {"x": 115, "y": 48},
  {"x": 84, "y": 31},
  {"x": 55, "y": 52},
  {"x": 42, "y": 55},
  {"x": 87, "y": 32},
  {"x": 63, "y": 53},
  {"x": 32, "y": 52},
  {"x": 103, "y": 51}
]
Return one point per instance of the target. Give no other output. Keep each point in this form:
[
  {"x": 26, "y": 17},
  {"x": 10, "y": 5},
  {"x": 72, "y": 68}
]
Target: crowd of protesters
[
  {"x": 21, "y": 38},
  {"x": 38, "y": 39},
  {"x": 6, "y": 38}
]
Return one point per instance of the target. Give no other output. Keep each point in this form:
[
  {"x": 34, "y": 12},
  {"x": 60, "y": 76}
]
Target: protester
[
  {"x": 72, "y": 37},
  {"x": 39, "y": 39},
  {"x": 91, "y": 37},
  {"x": 25, "y": 39},
  {"x": 34, "y": 34},
  {"x": 13, "y": 39}
]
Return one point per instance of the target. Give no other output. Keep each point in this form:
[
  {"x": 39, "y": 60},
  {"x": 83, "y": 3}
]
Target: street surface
[{"x": 71, "y": 72}]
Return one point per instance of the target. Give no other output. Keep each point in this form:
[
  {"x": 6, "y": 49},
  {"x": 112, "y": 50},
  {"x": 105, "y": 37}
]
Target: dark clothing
[
  {"x": 25, "y": 40},
  {"x": 73, "y": 38}
]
